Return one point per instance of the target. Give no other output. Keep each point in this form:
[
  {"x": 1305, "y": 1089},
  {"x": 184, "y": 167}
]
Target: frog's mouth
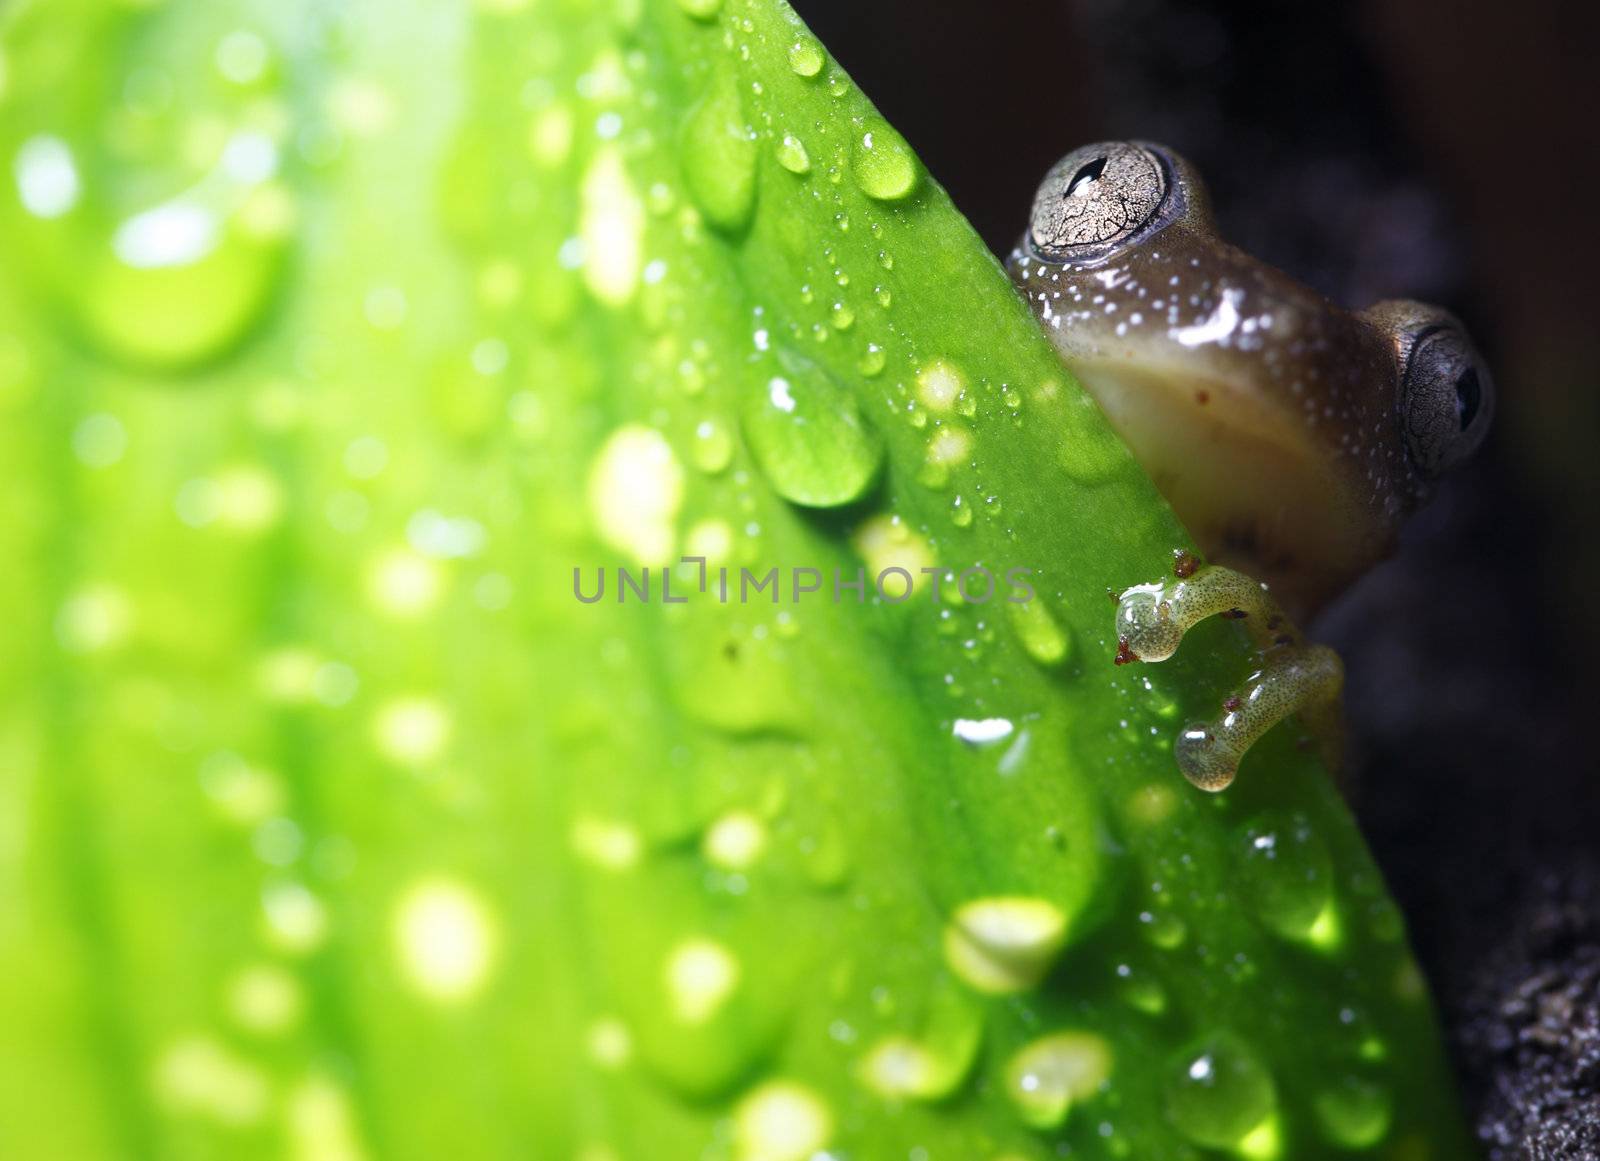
[{"x": 1249, "y": 481}]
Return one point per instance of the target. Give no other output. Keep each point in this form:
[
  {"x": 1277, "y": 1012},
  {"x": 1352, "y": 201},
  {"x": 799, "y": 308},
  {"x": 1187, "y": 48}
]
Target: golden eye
[{"x": 1096, "y": 198}]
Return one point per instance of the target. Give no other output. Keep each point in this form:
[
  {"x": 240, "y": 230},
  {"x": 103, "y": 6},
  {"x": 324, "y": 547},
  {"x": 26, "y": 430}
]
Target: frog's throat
[{"x": 1252, "y": 484}]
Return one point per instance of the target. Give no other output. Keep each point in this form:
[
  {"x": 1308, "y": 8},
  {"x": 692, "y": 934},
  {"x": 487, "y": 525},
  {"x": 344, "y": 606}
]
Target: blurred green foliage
[{"x": 333, "y": 338}]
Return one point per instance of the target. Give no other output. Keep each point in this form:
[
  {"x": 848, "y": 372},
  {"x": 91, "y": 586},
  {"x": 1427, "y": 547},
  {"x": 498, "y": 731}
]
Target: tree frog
[{"x": 1291, "y": 436}]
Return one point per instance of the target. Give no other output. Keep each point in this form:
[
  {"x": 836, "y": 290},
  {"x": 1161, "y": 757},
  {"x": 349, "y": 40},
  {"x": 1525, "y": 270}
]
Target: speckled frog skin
[{"x": 1290, "y": 435}]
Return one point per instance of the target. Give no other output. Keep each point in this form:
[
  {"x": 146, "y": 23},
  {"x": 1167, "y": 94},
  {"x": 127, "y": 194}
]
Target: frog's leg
[{"x": 1295, "y": 677}]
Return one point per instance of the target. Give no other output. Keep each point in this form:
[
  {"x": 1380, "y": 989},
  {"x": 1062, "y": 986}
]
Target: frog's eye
[
  {"x": 1446, "y": 398},
  {"x": 1095, "y": 199}
]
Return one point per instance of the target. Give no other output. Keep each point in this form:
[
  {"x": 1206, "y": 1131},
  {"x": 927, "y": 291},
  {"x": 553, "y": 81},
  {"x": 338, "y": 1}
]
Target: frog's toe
[
  {"x": 1146, "y": 629},
  {"x": 1206, "y": 759},
  {"x": 1294, "y": 678},
  {"x": 1300, "y": 679}
]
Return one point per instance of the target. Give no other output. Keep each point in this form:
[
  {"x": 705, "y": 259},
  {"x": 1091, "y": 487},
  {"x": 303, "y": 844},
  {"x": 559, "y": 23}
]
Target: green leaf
[{"x": 332, "y": 343}]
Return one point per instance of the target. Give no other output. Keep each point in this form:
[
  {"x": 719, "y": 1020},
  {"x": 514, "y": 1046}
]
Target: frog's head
[{"x": 1290, "y": 435}]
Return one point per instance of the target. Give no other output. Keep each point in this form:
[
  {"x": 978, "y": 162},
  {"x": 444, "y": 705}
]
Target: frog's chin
[{"x": 1254, "y": 488}]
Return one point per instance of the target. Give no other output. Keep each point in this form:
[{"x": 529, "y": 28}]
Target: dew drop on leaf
[
  {"x": 712, "y": 447},
  {"x": 1353, "y": 1113},
  {"x": 1286, "y": 875},
  {"x": 806, "y": 57},
  {"x": 883, "y": 163},
  {"x": 719, "y": 158},
  {"x": 185, "y": 280},
  {"x": 1047, "y": 1076},
  {"x": 701, "y": 9},
  {"x": 792, "y": 154},
  {"x": 809, "y": 436},
  {"x": 1219, "y": 1092}
]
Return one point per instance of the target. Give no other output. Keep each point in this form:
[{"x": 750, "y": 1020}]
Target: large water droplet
[
  {"x": 1164, "y": 929},
  {"x": 1286, "y": 875},
  {"x": 701, "y": 9},
  {"x": 1354, "y": 1113},
  {"x": 809, "y": 436},
  {"x": 1004, "y": 944},
  {"x": 1040, "y": 634},
  {"x": 806, "y": 57},
  {"x": 1048, "y": 1076},
  {"x": 884, "y": 166},
  {"x": 931, "y": 1065},
  {"x": 781, "y": 1121},
  {"x": 1140, "y": 990},
  {"x": 1219, "y": 1092},
  {"x": 184, "y": 281},
  {"x": 719, "y": 158},
  {"x": 792, "y": 154}
]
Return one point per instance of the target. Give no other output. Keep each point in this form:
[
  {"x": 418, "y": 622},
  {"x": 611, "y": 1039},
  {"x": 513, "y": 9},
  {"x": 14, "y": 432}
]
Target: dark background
[{"x": 1388, "y": 148}]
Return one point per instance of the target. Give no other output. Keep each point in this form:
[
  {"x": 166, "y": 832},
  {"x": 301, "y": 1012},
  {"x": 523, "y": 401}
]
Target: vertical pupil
[
  {"x": 1469, "y": 397},
  {"x": 1087, "y": 175}
]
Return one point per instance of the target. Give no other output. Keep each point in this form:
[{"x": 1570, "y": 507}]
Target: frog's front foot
[{"x": 1294, "y": 677}]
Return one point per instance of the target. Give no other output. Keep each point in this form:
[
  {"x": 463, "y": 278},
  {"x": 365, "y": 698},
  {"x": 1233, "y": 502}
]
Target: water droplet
[
  {"x": 1004, "y": 944},
  {"x": 885, "y": 542},
  {"x": 610, "y": 1043},
  {"x": 871, "y": 361},
  {"x": 700, "y": 975},
  {"x": 1354, "y": 1113},
  {"x": 713, "y": 446},
  {"x": 701, "y": 9},
  {"x": 883, "y": 295},
  {"x": 1046, "y": 1077},
  {"x": 960, "y": 513},
  {"x": 635, "y": 489},
  {"x": 265, "y": 999},
  {"x": 183, "y": 282},
  {"x": 242, "y": 57},
  {"x": 735, "y": 841},
  {"x": 1164, "y": 929},
  {"x": 950, "y": 446},
  {"x": 1219, "y": 1093},
  {"x": 607, "y": 844},
  {"x": 611, "y": 229},
  {"x": 445, "y": 939},
  {"x": 1152, "y": 804},
  {"x": 792, "y": 154},
  {"x": 1141, "y": 991},
  {"x": 939, "y": 385},
  {"x": 47, "y": 177},
  {"x": 1286, "y": 876},
  {"x": 883, "y": 164},
  {"x": 809, "y": 436},
  {"x": 691, "y": 377},
  {"x": 806, "y": 57},
  {"x": 932, "y": 1065},
  {"x": 978, "y": 732},
  {"x": 719, "y": 158},
  {"x": 781, "y": 1121},
  {"x": 1039, "y": 632},
  {"x": 841, "y": 316}
]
